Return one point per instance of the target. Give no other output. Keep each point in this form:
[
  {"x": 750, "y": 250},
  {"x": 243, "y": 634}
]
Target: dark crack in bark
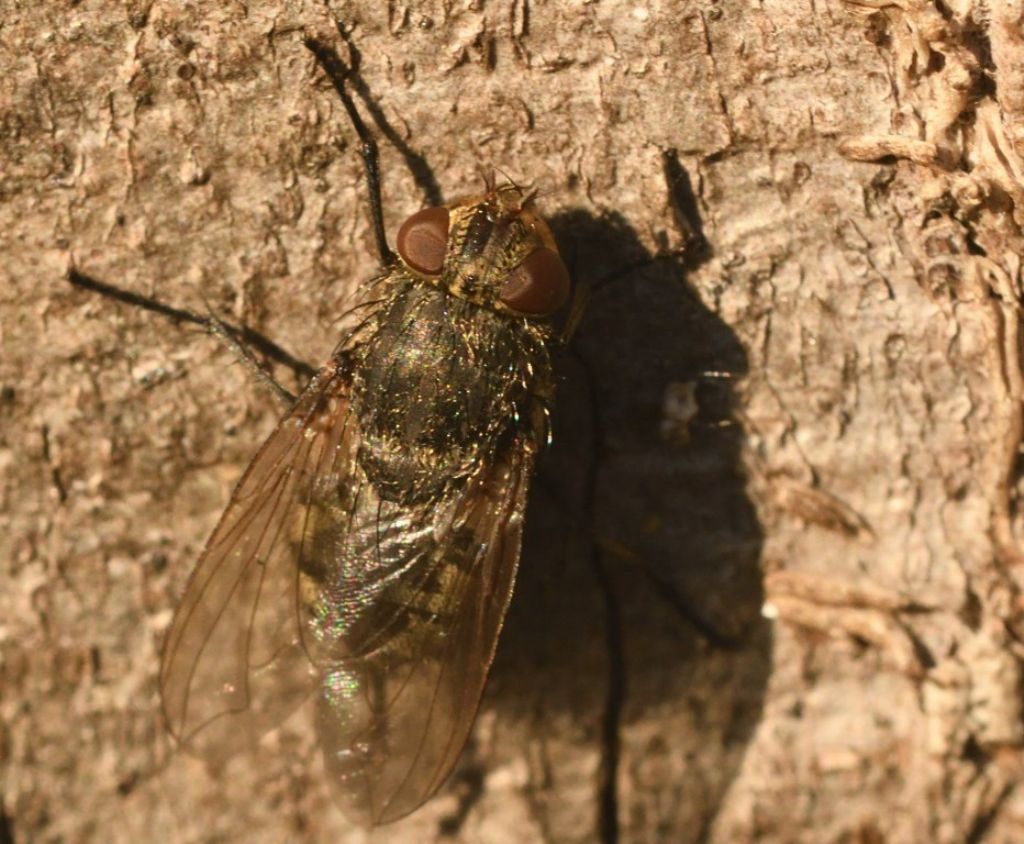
[
  {"x": 6, "y": 828},
  {"x": 607, "y": 797},
  {"x": 615, "y": 696}
]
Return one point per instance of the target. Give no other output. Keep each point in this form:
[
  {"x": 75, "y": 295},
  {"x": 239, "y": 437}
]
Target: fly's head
[{"x": 493, "y": 250}]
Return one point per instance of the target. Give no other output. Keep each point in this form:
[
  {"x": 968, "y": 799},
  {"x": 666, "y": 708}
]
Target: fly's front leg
[{"x": 339, "y": 72}]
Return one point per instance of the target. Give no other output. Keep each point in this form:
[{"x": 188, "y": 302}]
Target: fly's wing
[
  {"x": 406, "y": 652},
  {"x": 233, "y": 663}
]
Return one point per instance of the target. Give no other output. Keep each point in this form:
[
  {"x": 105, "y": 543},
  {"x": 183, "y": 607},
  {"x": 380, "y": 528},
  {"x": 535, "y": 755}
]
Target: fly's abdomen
[
  {"x": 384, "y": 618},
  {"x": 374, "y": 580}
]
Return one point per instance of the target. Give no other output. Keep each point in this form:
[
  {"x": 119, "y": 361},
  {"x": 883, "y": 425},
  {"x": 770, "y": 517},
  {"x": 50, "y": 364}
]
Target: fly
[{"x": 367, "y": 556}]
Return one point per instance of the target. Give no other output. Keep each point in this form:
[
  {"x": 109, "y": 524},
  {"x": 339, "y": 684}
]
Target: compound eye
[
  {"x": 423, "y": 239},
  {"x": 539, "y": 286}
]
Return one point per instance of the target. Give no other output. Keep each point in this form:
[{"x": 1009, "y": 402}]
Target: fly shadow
[{"x": 638, "y": 605}]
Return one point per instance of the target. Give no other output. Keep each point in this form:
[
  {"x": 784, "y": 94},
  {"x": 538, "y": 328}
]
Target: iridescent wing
[
  {"x": 406, "y": 631},
  {"x": 233, "y": 662}
]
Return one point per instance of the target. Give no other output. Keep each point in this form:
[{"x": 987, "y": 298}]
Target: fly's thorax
[{"x": 440, "y": 385}]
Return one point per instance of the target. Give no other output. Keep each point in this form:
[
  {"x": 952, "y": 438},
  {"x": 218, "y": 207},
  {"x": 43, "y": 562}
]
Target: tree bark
[{"x": 770, "y": 588}]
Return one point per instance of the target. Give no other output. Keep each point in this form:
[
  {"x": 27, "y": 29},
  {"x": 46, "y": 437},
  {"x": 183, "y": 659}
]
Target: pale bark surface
[{"x": 800, "y": 625}]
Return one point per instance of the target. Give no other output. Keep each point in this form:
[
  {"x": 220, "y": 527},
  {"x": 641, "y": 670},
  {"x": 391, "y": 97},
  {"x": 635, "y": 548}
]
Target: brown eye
[
  {"x": 538, "y": 286},
  {"x": 423, "y": 239}
]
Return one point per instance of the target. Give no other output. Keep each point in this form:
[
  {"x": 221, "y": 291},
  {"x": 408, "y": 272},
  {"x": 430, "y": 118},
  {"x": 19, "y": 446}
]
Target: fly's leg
[
  {"x": 577, "y": 308},
  {"x": 683, "y": 202},
  {"x": 228, "y": 335},
  {"x": 242, "y": 341},
  {"x": 339, "y": 73},
  {"x": 693, "y": 251}
]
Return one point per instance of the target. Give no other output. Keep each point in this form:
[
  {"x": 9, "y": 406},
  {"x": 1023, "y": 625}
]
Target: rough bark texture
[{"x": 776, "y": 607}]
